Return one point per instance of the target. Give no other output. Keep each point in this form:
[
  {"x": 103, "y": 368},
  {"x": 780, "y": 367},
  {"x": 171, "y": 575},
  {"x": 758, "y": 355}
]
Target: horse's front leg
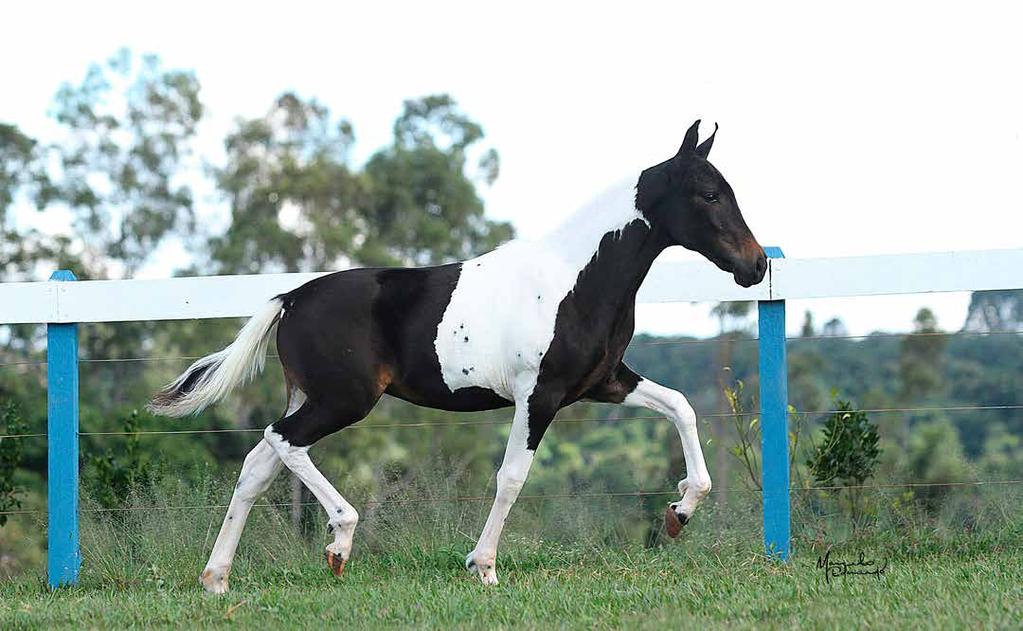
[
  {"x": 532, "y": 416},
  {"x": 676, "y": 408}
]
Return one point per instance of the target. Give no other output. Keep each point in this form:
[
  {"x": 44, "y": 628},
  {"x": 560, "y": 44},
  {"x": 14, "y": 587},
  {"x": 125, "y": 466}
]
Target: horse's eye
[{"x": 711, "y": 197}]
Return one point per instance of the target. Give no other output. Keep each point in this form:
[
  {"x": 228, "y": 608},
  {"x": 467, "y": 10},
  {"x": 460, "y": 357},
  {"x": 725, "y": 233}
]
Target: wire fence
[
  {"x": 640, "y": 342},
  {"x": 541, "y": 496},
  {"x": 505, "y": 421}
]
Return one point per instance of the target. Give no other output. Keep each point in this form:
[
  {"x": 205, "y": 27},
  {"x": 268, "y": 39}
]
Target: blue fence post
[
  {"x": 774, "y": 423},
  {"x": 64, "y": 557}
]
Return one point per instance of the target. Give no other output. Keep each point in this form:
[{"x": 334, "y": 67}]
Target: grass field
[
  {"x": 558, "y": 568},
  {"x": 953, "y": 586}
]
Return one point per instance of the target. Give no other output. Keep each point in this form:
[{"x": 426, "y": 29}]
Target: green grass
[
  {"x": 563, "y": 564},
  {"x": 938, "y": 585}
]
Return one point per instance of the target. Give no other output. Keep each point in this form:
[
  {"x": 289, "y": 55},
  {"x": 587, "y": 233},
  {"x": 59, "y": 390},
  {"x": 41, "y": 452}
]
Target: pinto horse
[{"x": 534, "y": 324}]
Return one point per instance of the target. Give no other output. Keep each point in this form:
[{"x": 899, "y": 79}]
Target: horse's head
[{"x": 691, "y": 202}]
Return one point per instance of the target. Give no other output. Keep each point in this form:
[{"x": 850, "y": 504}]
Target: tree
[
  {"x": 425, "y": 206},
  {"x": 834, "y": 328},
  {"x": 920, "y": 360},
  {"x": 20, "y": 168},
  {"x": 129, "y": 124},
  {"x": 297, "y": 204},
  {"x": 807, "y": 329},
  {"x": 23, "y": 177}
]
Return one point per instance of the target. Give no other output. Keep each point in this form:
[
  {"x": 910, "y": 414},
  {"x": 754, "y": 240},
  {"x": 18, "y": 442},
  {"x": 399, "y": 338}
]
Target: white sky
[{"x": 876, "y": 128}]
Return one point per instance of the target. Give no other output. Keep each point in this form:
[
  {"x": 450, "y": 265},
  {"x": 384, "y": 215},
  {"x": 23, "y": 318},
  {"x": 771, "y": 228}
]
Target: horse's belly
[{"x": 499, "y": 322}]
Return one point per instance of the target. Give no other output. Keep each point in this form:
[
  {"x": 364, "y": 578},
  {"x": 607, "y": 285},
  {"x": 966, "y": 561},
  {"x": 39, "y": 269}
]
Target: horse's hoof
[
  {"x": 335, "y": 562},
  {"x": 214, "y": 581},
  {"x": 673, "y": 521},
  {"x": 486, "y": 573}
]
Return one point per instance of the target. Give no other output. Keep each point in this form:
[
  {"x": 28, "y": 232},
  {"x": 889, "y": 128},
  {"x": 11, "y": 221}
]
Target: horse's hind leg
[
  {"x": 291, "y": 438},
  {"x": 260, "y": 468}
]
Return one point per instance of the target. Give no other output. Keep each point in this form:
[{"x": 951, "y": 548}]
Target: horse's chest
[{"x": 501, "y": 318}]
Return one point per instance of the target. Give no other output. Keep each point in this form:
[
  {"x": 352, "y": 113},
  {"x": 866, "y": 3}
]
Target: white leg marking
[
  {"x": 260, "y": 468},
  {"x": 341, "y": 516},
  {"x": 674, "y": 405},
  {"x": 510, "y": 478}
]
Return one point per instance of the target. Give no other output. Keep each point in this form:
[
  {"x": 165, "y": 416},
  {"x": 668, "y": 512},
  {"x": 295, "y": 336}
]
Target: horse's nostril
[{"x": 761, "y": 265}]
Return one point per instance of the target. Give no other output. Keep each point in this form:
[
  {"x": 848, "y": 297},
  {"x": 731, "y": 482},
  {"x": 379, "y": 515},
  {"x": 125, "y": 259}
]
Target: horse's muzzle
[{"x": 752, "y": 272}]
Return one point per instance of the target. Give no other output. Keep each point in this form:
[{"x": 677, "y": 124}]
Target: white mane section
[
  {"x": 500, "y": 320},
  {"x": 578, "y": 237}
]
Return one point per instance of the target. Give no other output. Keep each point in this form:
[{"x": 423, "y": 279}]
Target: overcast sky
[{"x": 880, "y": 128}]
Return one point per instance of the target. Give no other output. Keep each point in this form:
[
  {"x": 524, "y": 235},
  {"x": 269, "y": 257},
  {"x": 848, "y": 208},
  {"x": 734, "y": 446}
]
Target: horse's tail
[{"x": 211, "y": 378}]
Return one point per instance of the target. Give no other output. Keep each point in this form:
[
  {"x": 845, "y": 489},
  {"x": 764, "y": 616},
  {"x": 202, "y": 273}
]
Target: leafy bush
[
  {"x": 112, "y": 477},
  {"x": 847, "y": 456},
  {"x": 10, "y": 457},
  {"x": 936, "y": 457}
]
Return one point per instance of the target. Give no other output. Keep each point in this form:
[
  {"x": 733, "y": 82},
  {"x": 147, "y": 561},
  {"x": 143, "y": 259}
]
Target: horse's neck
[{"x": 612, "y": 246}]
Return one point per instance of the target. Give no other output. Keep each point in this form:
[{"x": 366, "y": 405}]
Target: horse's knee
[
  {"x": 247, "y": 490},
  {"x": 681, "y": 410},
  {"x": 510, "y": 479},
  {"x": 258, "y": 470}
]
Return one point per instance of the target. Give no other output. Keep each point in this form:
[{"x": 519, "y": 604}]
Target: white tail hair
[{"x": 211, "y": 378}]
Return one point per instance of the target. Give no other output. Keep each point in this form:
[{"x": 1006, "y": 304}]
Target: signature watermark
[{"x": 862, "y": 566}]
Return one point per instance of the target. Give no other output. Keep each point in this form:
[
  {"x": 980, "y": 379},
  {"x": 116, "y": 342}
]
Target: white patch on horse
[{"x": 500, "y": 319}]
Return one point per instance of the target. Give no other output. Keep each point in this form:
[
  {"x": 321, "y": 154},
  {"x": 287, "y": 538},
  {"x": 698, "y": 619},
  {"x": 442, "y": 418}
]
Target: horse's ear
[
  {"x": 704, "y": 149},
  {"x": 652, "y": 186},
  {"x": 689, "y": 142}
]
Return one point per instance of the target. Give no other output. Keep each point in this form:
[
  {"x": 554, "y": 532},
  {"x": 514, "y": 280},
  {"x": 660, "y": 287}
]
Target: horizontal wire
[
  {"x": 711, "y": 340},
  {"x": 400, "y": 425},
  {"x": 116, "y": 360},
  {"x": 950, "y": 408},
  {"x": 474, "y": 498},
  {"x": 802, "y": 338},
  {"x": 41, "y": 362},
  {"x": 236, "y": 430},
  {"x": 906, "y": 485}
]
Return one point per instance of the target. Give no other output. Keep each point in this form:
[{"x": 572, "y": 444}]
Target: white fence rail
[{"x": 697, "y": 281}]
